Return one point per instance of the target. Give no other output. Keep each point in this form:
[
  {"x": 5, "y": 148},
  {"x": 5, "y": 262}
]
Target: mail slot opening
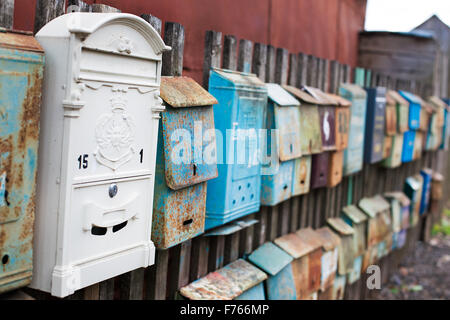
[
  {"x": 119, "y": 226},
  {"x": 234, "y": 202},
  {"x": 302, "y": 181},
  {"x": 291, "y": 147},
  {"x": 285, "y": 187},
  {"x": 98, "y": 231},
  {"x": 5, "y": 259},
  {"x": 188, "y": 222},
  {"x": 321, "y": 175},
  {"x": 252, "y": 196},
  {"x": 243, "y": 199},
  {"x": 6, "y": 197},
  {"x": 195, "y": 169}
]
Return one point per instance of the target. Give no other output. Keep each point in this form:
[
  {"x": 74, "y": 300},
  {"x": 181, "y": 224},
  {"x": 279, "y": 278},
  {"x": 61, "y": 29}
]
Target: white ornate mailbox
[{"x": 99, "y": 128}]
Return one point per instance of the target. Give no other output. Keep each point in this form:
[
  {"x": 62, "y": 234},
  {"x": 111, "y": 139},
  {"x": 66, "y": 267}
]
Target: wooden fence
[{"x": 194, "y": 258}]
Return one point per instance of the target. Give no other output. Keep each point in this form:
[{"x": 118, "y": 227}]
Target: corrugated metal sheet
[{"x": 184, "y": 92}]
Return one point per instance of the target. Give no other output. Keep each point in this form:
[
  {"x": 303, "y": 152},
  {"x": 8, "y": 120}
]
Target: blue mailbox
[
  {"x": 426, "y": 174},
  {"x": 446, "y": 127},
  {"x": 238, "y": 117},
  {"x": 283, "y": 145},
  {"x": 408, "y": 145},
  {"x": 276, "y": 263},
  {"x": 21, "y": 72},
  {"x": 353, "y": 155},
  {"x": 375, "y": 122},
  {"x": 186, "y": 133},
  {"x": 415, "y": 108}
]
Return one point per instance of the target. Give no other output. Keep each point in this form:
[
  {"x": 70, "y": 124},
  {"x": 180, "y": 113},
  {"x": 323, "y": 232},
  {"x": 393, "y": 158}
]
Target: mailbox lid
[
  {"x": 329, "y": 239},
  {"x": 294, "y": 245},
  {"x": 400, "y": 196},
  {"x": 401, "y": 109},
  {"x": 189, "y": 107},
  {"x": 355, "y": 215},
  {"x": 270, "y": 258},
  {"x": 339, "y": 226},
  {"x": 414, "y": 109},
  {"x": 241, "y": 80},
  {"x": 19, "y": 40},
  {"x": 309, "y": 236},
  {"x": 281, "y": 97},
  {"x": 226, "y": 283},
  {"x": 374, "y": 205}
]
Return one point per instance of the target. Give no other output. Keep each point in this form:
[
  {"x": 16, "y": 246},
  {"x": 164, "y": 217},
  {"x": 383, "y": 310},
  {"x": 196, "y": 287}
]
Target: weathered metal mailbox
[
  {"x": 238, "y": 116},
  {"x": 238, "y": 280},
  {"x": 446, "y": 127},
  {"x": 181, "y": 167},
  {"x": 353, "y": 155},
  {"x": 283, "y": 115},
  {"x": 414, "y": 109},
  {"x": 391, "y": 114},
  {"x": 342, "y": 121},
  {"x": 99, "y": 130},
  {"x": 426, "y": 174},
  {"x": 437, "y": 186},
  {"x": 418, "y": 144},
  {"x": 375, "y": 124},
  {"x": 394, "y": 157},
  {"x": 300, "y": 251},
  {"x": 276, "y": 263},
  {"x": 347, "y": 246},
  {"x": 395, "y": 201},
  {"x": 302, "y": 175},
  {"x": 335, "y": 166},
  {"x": 402, "y": 112},
  {"x": 329, "y": 263},
  {"x": 21, "y": 72},
  {"x": 435, "y": 134},
  {"x": 413, "y": 189},
  {"x": 378, "y": 211}
]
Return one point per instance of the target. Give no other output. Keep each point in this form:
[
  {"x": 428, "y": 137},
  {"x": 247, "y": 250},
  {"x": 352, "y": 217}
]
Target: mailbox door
[
  {"x": 408, "y": 145},
  {"x": 414, "y": 115},
  {"x": 355, "y": 274},
  {"x": 372, "y": 233},
  {"x": 353, "y": 155},
  {"x": 375, "y": 121},
  {"x": 360, "y": 238},
  {"x": 277, "y": 187},
  {"x": 300, "y": 270},
  {"x": 302, "y": 175},
  {"x": 391, "y": 119},
  {"x": 339, "y": 287},
  {"x": 402, "y": 118},
  {"x": 342, "y": 127},
  {"x": 311, "y": 138},
  {"x": 287, "y": 121},
  {"x": 395, "y": 157},
  {"x": 425, "y": 198},
  {"x": 314, "y": 262},
  {"x": 328, "y": 127},
  {"x": 329, "y": 268},
  {"x": 20, "y": 95},
  {"x": 185, "y": 164},
  {"x": 335, "y": 168},
  {"x": 282, "y": 285},
  {"x": 387, "y": 146},
  {"x": 319, "y": 170},
  {"x": 346, "y": 255},
  {"x": 418, "y": 145}
]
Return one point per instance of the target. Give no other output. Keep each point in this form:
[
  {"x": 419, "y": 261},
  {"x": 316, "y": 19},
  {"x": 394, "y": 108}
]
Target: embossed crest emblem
[{"x": 114, "y": 134}]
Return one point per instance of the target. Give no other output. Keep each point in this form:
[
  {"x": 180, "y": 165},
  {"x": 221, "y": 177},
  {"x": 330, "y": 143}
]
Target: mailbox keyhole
[
  {"x": 112, "y": 190},
  {"x": 285, "y": 187},
  {"x": 291, "y": 148},
  {"x": 5, "y": 259},
  {"x": 6, "y": 198},
  {"x": 187, "y": 222},
  {"x": 302, "y": 181},
  {"x": 195, "y": 169}
]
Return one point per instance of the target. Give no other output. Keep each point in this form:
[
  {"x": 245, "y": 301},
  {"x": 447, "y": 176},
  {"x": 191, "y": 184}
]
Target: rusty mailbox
[
  {"x": 413, "y": 189},
  {"x": 379, "y": 218},
  {"x": 394, "y": 199},
  {"x": 446, "y": 127},
  {"x": 283, "y": 145},
  {"x": 302, "y": 175},
  {"x": 401, "y": 107},
  {"x": 437, "y": 186},
  {"x": 181, "y": 167},
  {"x": 329, "y": 261},
  {"x": 375, "y": 124},
  {"x": 347, "y": 246},
  {"x": 396, "y": 125},
  {"x": 393, "y": 156},
  {"x": 99, "y": 131},
  {"x": 276, "y": 263},
  {"x": 238, "y": 116},
  {"x": 435, "y": 134},
  {"x": 353, "y": 155},
  {"x": 238, "y": 280},
  {"x": 426, "y": 174},
  {"x": 300, "y": 251},
  {"x": 21, "y": 72},
  {"x": 418, "y": 144}
]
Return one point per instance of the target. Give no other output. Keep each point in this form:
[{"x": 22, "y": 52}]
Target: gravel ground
[{"x": 423, "y": 275}]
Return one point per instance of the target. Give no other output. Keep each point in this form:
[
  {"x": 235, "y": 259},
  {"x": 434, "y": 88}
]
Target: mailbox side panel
[
  {"x": 408, "y": 145},
  {"x": 335, "y": 168},
  {"x": 375, "y": 120},
  {"x": 277, "y": 187},
  {"x": 302, "y": 176},
  {"x": 342, "y": 127},
  {"x": 425, "y": 198},
  {"x": 282, "y": 285},
  {"x": 320, "y": 169},
  {"x": 20, "y": 96},
  {"x": 328, "y": 127},
  {"x": 311, "y": 138},
  {"x": 255, "y": 293}
]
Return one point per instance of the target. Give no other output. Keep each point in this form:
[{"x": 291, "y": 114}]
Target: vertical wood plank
[
  {"x": 47, "y": 10},
  {"x": 6, "y": 14},
  {"x": 155, "y": 22},
  {"x": 231, "y": 251},
  {"x": 199, "y": 258},
  {"x": 302, "y": 69},
  {"x": 216, "y": 252},
  {"x": 132, "y": 285},
  {"x": 157, "y": 276},
  {"x": 245, "y": 56},
  {"x": 259, "y": 61},
  {"x": 293, "y": 69},
  {"x": 179, "y": 263},
  {"x": 172, "y": 61},
  {"x": 246, "y": 237},
  {"x": 229, "y": 60},
  {"x": 295, "y": 214},
  {"x": 97, "y": 7},
  {"x": 281, "y": 68},
  {"x": 270, "y": 64},
  {"x": 260, "y": 234},
  {"x": 334, "y": 76},
  {"x": 212, "y": 54},
  {"x": 311, "y": 77}
]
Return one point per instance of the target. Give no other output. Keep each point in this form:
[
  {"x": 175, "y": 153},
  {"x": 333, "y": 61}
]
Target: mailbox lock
[{"x": 112, "y": 190}]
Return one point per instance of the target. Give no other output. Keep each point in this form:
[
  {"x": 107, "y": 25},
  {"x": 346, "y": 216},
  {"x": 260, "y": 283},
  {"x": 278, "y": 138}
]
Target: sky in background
[{"x": 404, "y": 15}]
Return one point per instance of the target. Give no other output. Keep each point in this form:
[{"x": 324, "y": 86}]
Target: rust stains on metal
[
  {"x": 329, "y": 239},
  {"x": 309, "y": 236},
  {"x": 19, "y": 40},
  {"x": 184, "y": 92},
  {"x": 301, "y": 95}
]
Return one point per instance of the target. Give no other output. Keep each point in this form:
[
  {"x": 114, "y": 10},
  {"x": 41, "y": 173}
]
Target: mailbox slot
[{"x": 302, "y": 175}]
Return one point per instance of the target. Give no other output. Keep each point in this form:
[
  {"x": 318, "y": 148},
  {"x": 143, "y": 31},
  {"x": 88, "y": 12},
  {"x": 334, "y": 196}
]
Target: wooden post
[
  {"x": 302, "y": 69},
  {"x": 281, "y": 68},
  {"x": 213, "y": 48},
  {"x": 179, "y": 263},
  {"x": 270, "y": 64},
  {"x": 245, "y": 56},
  {"x": 259, "y": 61},
  {"x": 6, "y": 14},
  {"x": 78, "y": 6},
  {"x": 172, "y": 62},
  {"x": 293, "y": 69},
  {"x": 229, "y": 60},
  {"x": 334, "y": 76},
  {"x": 199, "y": 258},
  {"x": 47, "y": 10},
  {"x": 154, "y": 22},
  {"x": 96, "y": 7},
  {"x": 132, "y": 285},
  {"x": 311, "y": 76}
]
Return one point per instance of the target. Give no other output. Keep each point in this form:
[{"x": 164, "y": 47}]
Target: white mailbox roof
[
  {"x": 280, "y": 96},
  {"x": 88, "y": 22}
]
